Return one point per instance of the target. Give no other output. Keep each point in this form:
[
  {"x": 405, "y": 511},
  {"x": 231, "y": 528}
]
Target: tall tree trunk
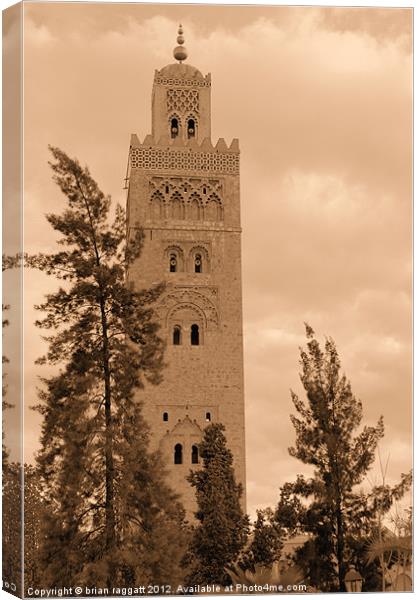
[
  {"x": 340, "y": 534},
  {"x": 109, "y": 464},
  {"x": 340, "y": 547},
  {"x": 110, "y": 536}
]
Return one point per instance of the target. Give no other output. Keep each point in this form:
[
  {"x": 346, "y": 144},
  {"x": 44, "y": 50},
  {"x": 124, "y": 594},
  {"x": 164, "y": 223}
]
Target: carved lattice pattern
[
  {"x": 183, "y": 100},
  {"x": 183, "y": 82},
  {"x": 152, "y": 159},
  {"x": 191, "y": 197}
]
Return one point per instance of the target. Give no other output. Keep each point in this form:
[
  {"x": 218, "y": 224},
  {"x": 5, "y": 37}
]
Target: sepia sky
[{"x": 321, "y": 102}]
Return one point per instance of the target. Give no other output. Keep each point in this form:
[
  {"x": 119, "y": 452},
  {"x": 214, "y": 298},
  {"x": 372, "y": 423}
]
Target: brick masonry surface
[{"x": 185, "y": 194}]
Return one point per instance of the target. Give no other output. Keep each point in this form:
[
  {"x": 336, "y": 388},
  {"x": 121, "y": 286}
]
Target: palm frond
[{"x": 377, "y": 547}]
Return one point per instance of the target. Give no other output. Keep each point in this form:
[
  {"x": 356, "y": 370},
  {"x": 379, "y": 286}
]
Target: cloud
[
  {"x": 38, "y": 35},
  {"x": 321, "y": 102}
]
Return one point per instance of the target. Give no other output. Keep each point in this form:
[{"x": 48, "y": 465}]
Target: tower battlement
[
  {"x": 206, "y": 144},
  {"x": 180, "y": 155}
]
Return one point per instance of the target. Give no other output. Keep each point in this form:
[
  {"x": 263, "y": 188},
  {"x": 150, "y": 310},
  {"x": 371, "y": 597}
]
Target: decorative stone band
[
  {"x": 185, "y": 160},
  {"x": 182, "y": 82},
  {"x": 197, "y": 299}
]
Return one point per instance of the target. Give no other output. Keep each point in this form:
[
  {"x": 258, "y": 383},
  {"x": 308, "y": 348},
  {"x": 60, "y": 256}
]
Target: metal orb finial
[{"x": 180, "y": 52}]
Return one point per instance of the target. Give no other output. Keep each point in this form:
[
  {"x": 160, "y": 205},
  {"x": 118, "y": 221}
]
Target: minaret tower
[{"x": 185, "y": 193}]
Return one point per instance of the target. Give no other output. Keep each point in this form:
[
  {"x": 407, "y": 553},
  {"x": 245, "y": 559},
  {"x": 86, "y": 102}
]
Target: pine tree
[
  {"x": 266, "y": 541},
  {"x": 222, "y": 528},
  {"x": 327, "y": 438},
  {"x": 105, "y": 493}
]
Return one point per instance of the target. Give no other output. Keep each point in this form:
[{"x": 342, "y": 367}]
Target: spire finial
[{"x": 180, "y": 52}]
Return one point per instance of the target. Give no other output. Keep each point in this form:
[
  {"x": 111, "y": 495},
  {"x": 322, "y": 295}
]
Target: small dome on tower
[{"x": 181, "y": 70}]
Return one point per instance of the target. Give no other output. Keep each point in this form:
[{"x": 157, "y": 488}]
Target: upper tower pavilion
[{"x": 185, "y": 194}]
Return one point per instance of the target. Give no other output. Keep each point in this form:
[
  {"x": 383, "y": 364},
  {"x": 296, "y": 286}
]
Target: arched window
[
  {"x": 195, "y": 455},
  {"x": 195, "y": 335},
  {"x": 176, "y": 206},
  {"x": 177, "y": 335},
  {"x": 208, "y": 417},
  {"x": 191, "y": 128},
  {"x": 174, "y": 127},
  {"x": 178, "y": 458},
  {"x": 156, "y": 206},
  {"x": 165, "y": 416},
  {"x": 173, "y": 263},
  {"x": 212, "y": 210},
  {"x": 198, "y": 263},
  {"x": 195, "y": 208},
  {"x": 198, "y": 260}
]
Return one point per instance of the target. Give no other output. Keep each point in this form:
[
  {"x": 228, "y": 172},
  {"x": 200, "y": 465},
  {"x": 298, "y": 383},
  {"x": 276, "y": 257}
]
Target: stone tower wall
[
  {"x": 185, "y": 97},
  {"x": 185, "y": 194}
]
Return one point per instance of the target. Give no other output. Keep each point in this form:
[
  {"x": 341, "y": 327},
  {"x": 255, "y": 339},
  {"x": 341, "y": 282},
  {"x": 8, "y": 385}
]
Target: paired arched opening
[
  {"x": 177, "y": 335},
  {"x": 191, "y": 127},
  {"x": 197, "y": 261},
  {"x": 178, "y": 454}
]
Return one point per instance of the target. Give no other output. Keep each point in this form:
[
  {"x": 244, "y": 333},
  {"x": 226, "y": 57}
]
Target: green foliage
[
  {"x": 327, "y": 422},
  {"x": 33, "y": 511},
  {"x": 10, "y": 262},
  {"x": 392, "y": 551},
  {"x": 266, "y": 542},
  {"x": 15, "y": 481},
  {"x": 327, "y": 438},
  {"x": 382, "y": 497},
  {"x": 392, "y": 544},
  {"x": 106, "y": 500},
  {"x": 12, "y": 525},
  {"x": 223, "y": 527}
]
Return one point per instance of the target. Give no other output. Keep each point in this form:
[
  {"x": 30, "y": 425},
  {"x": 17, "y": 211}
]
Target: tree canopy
[
  {"x": 106, "y": 497},
  {"x": 223, "y": 527},
  {"x": 329, "y": 437}
]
